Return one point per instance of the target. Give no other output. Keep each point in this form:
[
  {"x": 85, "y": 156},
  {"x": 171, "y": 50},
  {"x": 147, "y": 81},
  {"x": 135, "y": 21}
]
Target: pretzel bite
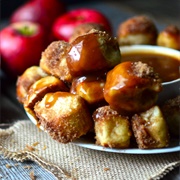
[
  {"x": 92, "y": 52},
  {"x": 64, "y": 116},
  {"x": 132, "y": 87},
  {"x": 171, "y": 112},
  {"x": 169, "y": 37},
  {"x": 90, "y": 88},
  {"x": 30, "y": 75},
  {"x": 53, "y": 60},
  {"x": 150, "y": 129},
  {"x": 111, "y": 129},
  {"x": 41, "y": 87},
  {"x": 137, "y": 30},
  {"x": 84, "y": 28}
]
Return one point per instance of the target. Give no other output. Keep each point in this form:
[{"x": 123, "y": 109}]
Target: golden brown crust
[
  {"x": 137, "y": 30},
  {"x": 111, "y": 129},
  {"x": 64, "y": 116},
  {"x": 103, "y": 112},
  {"x": 53, "y": 60},
  {"x": 24, "y": 81},
  {"x": 141, "y": 134},
  {"x": 150, "y": 129},
  {"x": 169, "y": 37}
]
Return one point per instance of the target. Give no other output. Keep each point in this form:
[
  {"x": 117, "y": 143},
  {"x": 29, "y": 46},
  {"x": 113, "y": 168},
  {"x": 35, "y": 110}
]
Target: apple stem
[{"x": 26, "y": 30}]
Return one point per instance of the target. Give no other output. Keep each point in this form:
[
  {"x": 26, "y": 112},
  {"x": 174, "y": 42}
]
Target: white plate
[{"x": 89, "y": 142}]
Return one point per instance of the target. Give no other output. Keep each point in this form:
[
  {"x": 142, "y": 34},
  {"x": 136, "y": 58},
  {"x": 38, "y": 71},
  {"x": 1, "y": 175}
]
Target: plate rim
[
  {"x": 79, "y": 142},
  {"x": 127, "y": 150}
]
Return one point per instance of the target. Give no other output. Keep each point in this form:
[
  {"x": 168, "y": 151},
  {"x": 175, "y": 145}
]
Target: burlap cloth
[{"x": 24, "y": 141}]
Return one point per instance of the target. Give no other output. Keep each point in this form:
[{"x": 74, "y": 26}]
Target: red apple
[
  {"x": 39, "y": 11},
  {"x": 21, "y": 46},
  {"x": 64, "y": 25}
]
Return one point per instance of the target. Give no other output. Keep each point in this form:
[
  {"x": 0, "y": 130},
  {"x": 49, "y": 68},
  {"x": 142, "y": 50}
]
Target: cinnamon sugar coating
[
  {"x": 150, "y": 129},
  {"x": 53, "y": 60},
  {"x": 137, "y": 30}
]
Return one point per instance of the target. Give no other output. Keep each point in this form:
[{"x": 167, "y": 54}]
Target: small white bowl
[{"x": 171, "y": 89}]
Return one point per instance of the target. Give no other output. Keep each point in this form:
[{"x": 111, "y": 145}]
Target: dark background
[
  {"x": 164, "y": 10},
  {"x": 8, "y": 6}
]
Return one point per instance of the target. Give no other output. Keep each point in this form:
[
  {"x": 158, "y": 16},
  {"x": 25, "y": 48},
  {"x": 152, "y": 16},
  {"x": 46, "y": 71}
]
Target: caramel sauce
[
  {"x": 78, "y": 53},
  {"x": 167, "y": 67},
  {"x": 89, "y": 87},
  {"x": 52, "y": 98},
  {"x": 91, "y": 53}
]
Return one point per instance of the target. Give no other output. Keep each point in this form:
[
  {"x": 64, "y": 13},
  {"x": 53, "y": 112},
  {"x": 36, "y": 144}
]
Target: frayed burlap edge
[
  {"x": 21, "y": 156},
  {"x": 165, "y": 170}
]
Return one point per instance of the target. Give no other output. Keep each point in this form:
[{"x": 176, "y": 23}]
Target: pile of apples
[{"x": 34, "y": 25}]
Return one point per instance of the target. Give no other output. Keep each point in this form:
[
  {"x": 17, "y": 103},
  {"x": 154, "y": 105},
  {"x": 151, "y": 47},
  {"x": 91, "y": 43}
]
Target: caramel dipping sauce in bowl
[{"x": 165, "y": 61}]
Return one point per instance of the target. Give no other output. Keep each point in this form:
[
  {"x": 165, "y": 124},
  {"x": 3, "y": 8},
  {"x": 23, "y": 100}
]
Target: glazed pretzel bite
[
  {"x": 137, "y": 30},
  {"x": 150, "y": 129},
  {"x": 41, "y": 87},
  {"x": 30, "y": 75},
  {"x": 84, "y": 28},
  {"x": 64, "y": 116},
  {"x": 171, "y": 112},
  {"x": 90, "y": 88},
  {"x": 132, "y": 87},
  {"x": 111, "y": 129},
  {"x": 92, "y": 52},
  {"x": 169, "y": 37},
  {"x": 53, "y": 60}
]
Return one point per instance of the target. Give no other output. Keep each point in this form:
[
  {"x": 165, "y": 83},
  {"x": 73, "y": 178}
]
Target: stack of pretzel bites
[{"x": 82, "y": 86}]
